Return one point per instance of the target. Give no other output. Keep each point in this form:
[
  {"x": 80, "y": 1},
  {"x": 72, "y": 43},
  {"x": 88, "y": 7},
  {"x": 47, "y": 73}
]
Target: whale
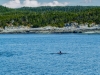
[{"x": 58, "y": 53}]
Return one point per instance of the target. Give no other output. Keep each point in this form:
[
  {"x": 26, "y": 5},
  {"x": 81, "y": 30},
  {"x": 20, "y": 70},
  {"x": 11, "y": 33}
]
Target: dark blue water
[{"x": 35, "y": 54}]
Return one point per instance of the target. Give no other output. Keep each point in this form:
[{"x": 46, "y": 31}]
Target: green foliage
[{"x": 52, "y": 16}]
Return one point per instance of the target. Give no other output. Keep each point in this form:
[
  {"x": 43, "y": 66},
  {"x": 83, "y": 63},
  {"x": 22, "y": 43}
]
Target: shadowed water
[{"x": 38, "y": 54}]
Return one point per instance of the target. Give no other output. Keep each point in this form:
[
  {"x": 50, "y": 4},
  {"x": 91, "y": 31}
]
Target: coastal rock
[{"x": 69, "y": 28}]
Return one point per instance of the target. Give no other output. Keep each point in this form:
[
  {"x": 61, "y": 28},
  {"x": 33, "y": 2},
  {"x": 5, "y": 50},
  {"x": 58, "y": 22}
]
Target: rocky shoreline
[{"x": 49, "y": 29}]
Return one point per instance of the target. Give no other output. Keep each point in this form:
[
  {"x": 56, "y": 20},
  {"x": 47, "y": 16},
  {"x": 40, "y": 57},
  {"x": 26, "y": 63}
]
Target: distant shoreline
[{"x": 50, "y": 30}]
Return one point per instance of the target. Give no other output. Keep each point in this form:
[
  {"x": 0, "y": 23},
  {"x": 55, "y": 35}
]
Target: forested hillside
[{"x": 52, "y": 16}]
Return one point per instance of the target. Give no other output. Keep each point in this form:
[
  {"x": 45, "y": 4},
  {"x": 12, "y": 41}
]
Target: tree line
[{"x": 53, "y": 16}]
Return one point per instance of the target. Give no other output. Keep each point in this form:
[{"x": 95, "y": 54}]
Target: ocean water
[{"x": 36, "y": 54}]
